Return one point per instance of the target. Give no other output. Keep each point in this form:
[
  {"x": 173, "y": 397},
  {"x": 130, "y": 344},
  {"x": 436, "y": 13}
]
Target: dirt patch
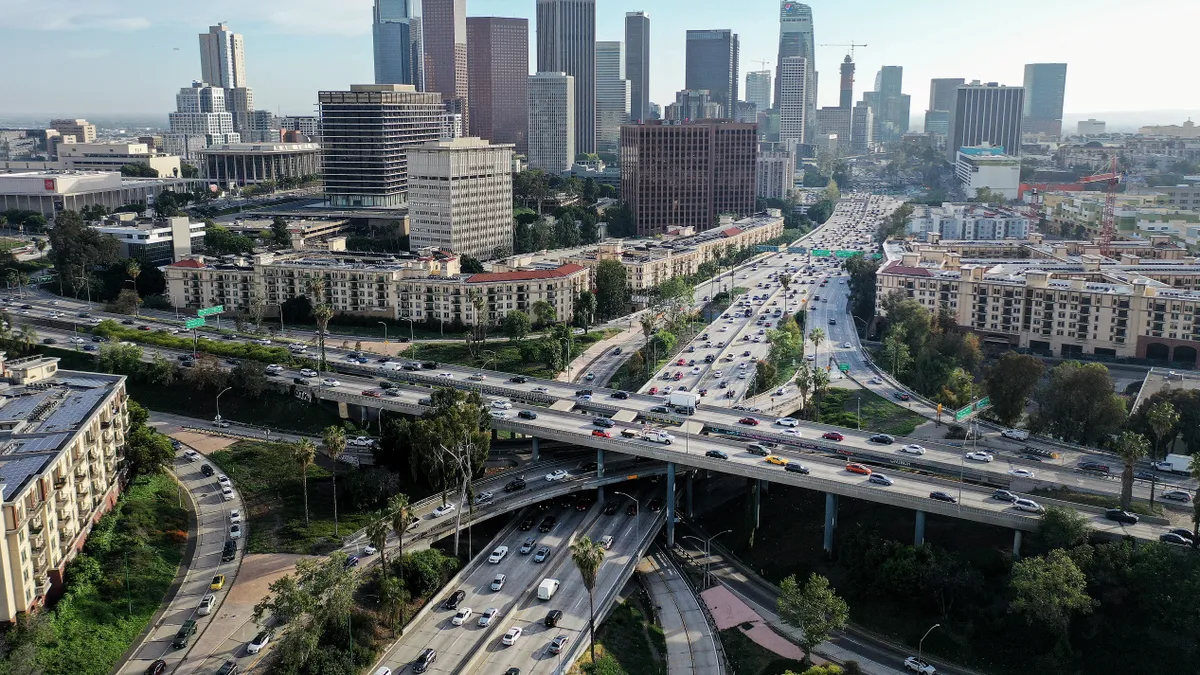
[
  {"x": 203, "y": 443},
  {"x": 257, "y": 573}
]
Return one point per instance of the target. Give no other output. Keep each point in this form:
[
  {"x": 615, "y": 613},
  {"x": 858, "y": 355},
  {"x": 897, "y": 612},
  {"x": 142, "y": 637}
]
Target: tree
[
  {"x": 1049, "y": 591},
  {"x": 1062, "y": 528},
  {"x": 543, "y": 314},
  {"x": 127, "y": 301},
  {"x": 1078, "y": 404},
  {"x": 120, "y": 359},
  {"x": 816, "y": 610},
  {"x": 250, "y": 378},
  {"x": 304, "y": 452},
  {"x": 399, "y": 515},
  {"x": 147, "y": 451},
  {"x": 1163, "y": 420},
  {"x": 77, "y": 249},
  {"x": 280, "y": 233},
  {"x": 516, "y": 325},
  {"x": 220, "y": 240},
  {"x": 804, "y": 384},
  {"x": 134, "y": 270},
  {"x": 470, "y": 265},
  {"x": 817, "y": 336},
  {"x": 585, "y": 309},
  {"x": 377, "y": 532},
  {"x": 1130, "y": 447},
  {"x": 1010, "y": 383},
  {"x": 334, "y": 438},
  {"x": 321, "y": 311},
  {"x": 393, "y": 597},
  {"x": 612, "y": 291},
  {"x": 587, "y": 556}
]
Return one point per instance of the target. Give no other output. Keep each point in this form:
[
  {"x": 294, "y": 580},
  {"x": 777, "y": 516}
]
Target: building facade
[
  {"x": 796, "y": 39},
  {"x": 943, "y": 92},
  {"x": 776, "y": 172},
  {"x": 393, "y": 41},
  {"x": 444, "y": 23},
  {"x": 460, "y": 197},
  {"x": 988, "y": 168},
  {"x": 365, "y": 136},
  {"x": 986, "y": 113},
  {"x": 222, "y": 58},
  {"x": 685, "y": 175},
  {"x": 49, "y": 193},
  {"x": 711, "y": 63},
  {"x": 200, "y": 120},
  {"x": 552, "y": 121},
  {"x": 1045, "y": 88},
  {"x": 566, "y": 43},
  {"x": 498, "y": 78},
  {"x": 691, "y": 105},
  {"x": 839, "y": 122},
  {"x": 1090, "y": 127},
  {"x": 82, "y": 130},
  {"x": 250, "y": 163},
  {"x": 154, "y": 242},
  {"x": 890, "y": 105},
  {"x": 637, "y": 64},
  {"x": 613, "y": 95},
  {"x": 792, "y": 98},
  {"x": 758, "y": 88},
  {"x": 969, "y": 222}
]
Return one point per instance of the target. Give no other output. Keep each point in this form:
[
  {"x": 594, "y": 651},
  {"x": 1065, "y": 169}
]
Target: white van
[{"x": 547, "y": 589}]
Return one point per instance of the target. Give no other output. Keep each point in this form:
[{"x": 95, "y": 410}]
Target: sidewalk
[{"x": 690, "y": 642}]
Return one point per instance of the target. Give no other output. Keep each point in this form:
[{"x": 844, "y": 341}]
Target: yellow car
[
  {"x": 777, "y": 460},
  {"x": 217, "y": 582}
]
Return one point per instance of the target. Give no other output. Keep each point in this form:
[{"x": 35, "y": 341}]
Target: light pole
[
  {"x": 567, "y": 343},
  {"x": 707, "y": 552},
  {"x": 637, "y": 517},
  {"x": 921, "y": 644},
  {"x": 384, "y": 331},
  {"x": 219, "y": 402}
]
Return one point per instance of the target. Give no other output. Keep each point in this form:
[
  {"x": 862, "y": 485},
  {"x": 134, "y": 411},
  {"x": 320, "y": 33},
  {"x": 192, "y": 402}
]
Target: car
[
  {"x": 912, "y": 449},
  {"x": 498, "y": 582},
  {"x": 443, "y": 510},
  {"x": 527, "y": 415},
  {"x": 543, "y": 552},
  {"x": 603, "y": 422},
  {"x": 631, "y": 509},
  {"x": 369, "y": 550},
  {"x": 796, "y": 467},
  {"x": 590, "y": 376},
  {"x": 527, "y": 524},
  {"x": 156, "y": 668},
  {"x": 876, "y": 380},
  {"x": 235, "y": 516},
  {"x": 1004, "y": 496},
  {"x": 446, "y": 375},
  {"x": 918, "y": 666},
  {"x": 455, "y": 598},
  {"x": 498, "y": 555},
  {"x": 1177, "y": 495},
  {"x": 1123, "y": 517},
  {"x": 1183, "y": 532},
  {"x": 307, "y": 372},
  {"x": 606, "y": 542},
  {"x": 979, "y": 456},
  {"x": 499, "y": 404},
  {"x": 351, "y": 561},
  {"x": 330, "y": 382},
  {"x": 748, "y": 421},
  {"x": 206, "y": 604},
  {"x": 846, "y": 345},
  {"x": 880, "y": 479},
  {"x": 776, "y": 460},
  {"x": 558, "y": 644},
  {"x": 477, "y": 377},
  {"x": 541, "y": 390},
  {"x": 424, "y": 660},
  {"x": 1029, "y": 505},
  {"x": 1032, "y": 458},
  {"x": 860, "y": 469},
  {"x": 499, "y": 415},
  {"x": 943, "y": 496},
  {"x": 882, "y": 439},
  {"x": 514, "y": 485},
  {"x": 518, "y": 379},
  {"x": 547, "y": 524},
  {"x": 1172, "y": 538},
  {"x": 218, "y": 582},
  {"x": 485, "y": 619},
  {"x": 552, "y": 618},
  {"x": 1015, "y": 434},
  {"x": 510, "y": 638},
  {"x": 787, "y": 421},
  {"x": 620, "y": 395},
  {"x": 1021, "y": 473},
  {"x": 832, "y": 436},
  {"x": 258, "y": 642},
  {"x": 561, "y": 474},
  {"x": 901, "y": 396},
  {"x": 527, "y": 546},
  {"x": 1097, "y": 467},
  {"x": 717, "y": 454}
]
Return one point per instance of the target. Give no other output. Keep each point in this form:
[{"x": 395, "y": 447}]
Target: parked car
[{"x": 919, "y": 667}]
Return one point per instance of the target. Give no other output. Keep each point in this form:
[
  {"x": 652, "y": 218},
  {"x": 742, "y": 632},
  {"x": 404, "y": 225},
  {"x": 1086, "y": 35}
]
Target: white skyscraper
[
  {"x": 460, "y": 196},
  {"x": 612, "y": 94},
  {"x": 758, "y": 89},
  {"x": 551, "y": 121},
  {"x": 793, "y": 100},
  {"x": 222, "y": 58},
  {"x": 796, "y": 39},
  {"x": 566, "y": 42},
  {"x": 199, "y": 121}
]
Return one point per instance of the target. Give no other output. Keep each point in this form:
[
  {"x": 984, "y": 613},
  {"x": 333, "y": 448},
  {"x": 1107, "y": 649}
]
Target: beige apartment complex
[{"x": 61, "y": 440}]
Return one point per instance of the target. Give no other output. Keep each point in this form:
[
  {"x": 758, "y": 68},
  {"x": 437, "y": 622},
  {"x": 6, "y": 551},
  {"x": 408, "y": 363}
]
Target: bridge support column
[
  {"x": 919, "y": 534},
  {"x": 757, "y": 489},
  {"x": 690, "y": 488},
  {"x": 670, "y": 504},
  {"x": 600, "y": 474},
  {"x": 535, "y": 448},
  {"x": 831, "y": 506},
  {"x": 495, "y": 435},
  {"x": 1016, "y": 544}
]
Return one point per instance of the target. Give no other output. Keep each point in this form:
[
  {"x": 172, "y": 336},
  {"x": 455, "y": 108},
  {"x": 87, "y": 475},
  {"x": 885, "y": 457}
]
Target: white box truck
[
  {"x": 547, "y": 589},
  {"x": 1175, "y": 464},
  {"x": 683, "y": 401},
  {"x": 652, "y": 435}
]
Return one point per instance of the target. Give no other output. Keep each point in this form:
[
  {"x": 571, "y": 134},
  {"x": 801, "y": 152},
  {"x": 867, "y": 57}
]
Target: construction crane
[
  {"x": 1108, "y": 226},
  {"x": 851, "y": 45}
]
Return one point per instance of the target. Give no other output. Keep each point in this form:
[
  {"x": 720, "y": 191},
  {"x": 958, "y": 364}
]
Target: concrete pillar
[
  {"x": 831, "y": 505},
  {"x": 535, "y": 448},
  {"x": 690, "y": 489},
  {"x": 1016, "y": 544},
  {"x": 670, "y": 504},
  {"x": 600, "y": 474},
  {"x": 919, "y": 534},
  {"x": 495, "y": 435}
]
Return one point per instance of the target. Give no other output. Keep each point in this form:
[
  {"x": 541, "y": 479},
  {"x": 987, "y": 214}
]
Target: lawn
[
  {"x": 507, "y": 355},
  {"x": 840, "y": 408},
  {"x": 746, "y": 657},
  {"x": 269, "y": 482},
  {"x": 1066, "y": 494},
  {"x": 627, "y": 643}
]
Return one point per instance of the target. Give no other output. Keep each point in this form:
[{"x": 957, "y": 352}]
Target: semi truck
[
  {"x": 683, "y": 401},
  {"x": 1175, "y": 464}
]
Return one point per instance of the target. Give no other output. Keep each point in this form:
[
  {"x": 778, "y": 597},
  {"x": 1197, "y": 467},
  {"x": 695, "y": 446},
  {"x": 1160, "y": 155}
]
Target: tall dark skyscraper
[
  {"x": 445, "y": 26},
  {"x": 498, "y": 77},
  {"x": 566, "y": 43},
  {"x": 1045, "y": 87},
  {"x": 890, "y": 106},
  {"x": 846, "y": 99},
  {"x": 392, "y": 35},
  {"x": 796, "y": 39},
  {"x": 986, "y": 113},
  {"x": 941, "y": 92},
  {"x": 637, "y": 63},
  {"x": 712, "y": 64}
]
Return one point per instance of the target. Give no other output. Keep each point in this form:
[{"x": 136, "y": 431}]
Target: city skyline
[{"x": 287, "y": 82}]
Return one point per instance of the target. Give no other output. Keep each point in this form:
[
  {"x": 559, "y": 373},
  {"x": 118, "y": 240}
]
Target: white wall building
[
  {"x": 987, "y": 167},
  {"x": 1090, "y": 127},
  {"x": 154, "y": 242},
  {"x": 460, "y": 197},
  {"x": 551, "y": 122},
  {"x": 776, "y": 173},
  {"x": 968, "y": 221},
  {"x": 793, "y": 100},
  {"x": 200, "y": 120},
  {"x": 612, "y": 94}
]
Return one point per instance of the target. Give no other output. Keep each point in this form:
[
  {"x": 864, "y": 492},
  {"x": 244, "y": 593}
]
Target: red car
[
  {"x": 678, "y": 376},
  {"x": 653, "y": 391},
  {"x": 832, "y": 436},
  {"x": 373, "y": 393},
  {"x": 858, "y": 468},
  {"x": 601, "y": 433},
  {"x": 748, "y": 420},
  {"x": 681, "y": 362},
  {"x": 144, "y": 328}
]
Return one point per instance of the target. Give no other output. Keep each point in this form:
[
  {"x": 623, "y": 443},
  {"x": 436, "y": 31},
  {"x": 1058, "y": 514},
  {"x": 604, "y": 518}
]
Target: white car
[
  {"x": 912, "y": 449},
  {"x": 264, "y": 342},
  {"x": 499, "y": 415},
  {"x": 255, "y": 646},
  {"x": 307, "y": 372},
  {"x": 361, "y": 442},
  {"x": 462, "y": 616},
  {"x": 845, "y": 345},
  {"x": 446, "y": 375},
  {"x": 443, "y": 510},
  {"x": 541, "y": 390},
  {"x": 979, "y": 456},
  {"x": 695, "y": 370},
  {"x": 556, "y": 475},
  {"x": 274, "y": 369},
  {"x": 227, "y": 493},
  {"x": 498, "y": 555},
  {"x": 235, "y": 516},
  {"x": 498, "y": 582},
  {"x": 235, "y": 531},
  {"x": 717, "y": 373},
  {"x": 1015, "y": 434},
  {"x": 510, "y": 638},
  {"x": 77, "y": 340},
  {"x": 501, "y": 405},
  {"x": 1028, "y": 505},
  {"x": 330, "y": 382},
  {"x": 810, "y": 357},
  {"x": 791, "y": 432},
  {"x": 1021, "y": 473},
  {"x": 787, "y": 422},
  {"x": 876, "y": 380},
  {"x": 206, "y": 604},
  {"x": 223, "y": 479},
  {"x": 370, "y": 550},
  {"x": 485, "y": 619}
]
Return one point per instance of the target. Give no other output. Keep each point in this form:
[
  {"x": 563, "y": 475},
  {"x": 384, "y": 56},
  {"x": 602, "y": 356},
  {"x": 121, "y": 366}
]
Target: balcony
[
  {"x": 60, "y": 483},
  {"x": 81, "y": 488},
  {"x": 61, "y": 497},
  {"x": 64, "y": 515},
  {"x": 42, "y": 585},
  {"x": 37, "y": 544},
  {"x": 83, "y": 504},
  {"x": 36, "y": 526}
]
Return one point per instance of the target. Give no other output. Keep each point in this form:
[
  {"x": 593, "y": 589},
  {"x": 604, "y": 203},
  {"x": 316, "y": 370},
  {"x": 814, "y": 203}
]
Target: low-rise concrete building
[
  {"x": 987, "y": 168},
  {"x": 969, "y": 221},
  {"x": 154, "y": 241},
  {"x": 51, "y": 192},
  {"x": 250, "y": 163}
]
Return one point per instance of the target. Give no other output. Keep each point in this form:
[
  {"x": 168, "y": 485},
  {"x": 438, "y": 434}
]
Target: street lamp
[
  {"x": 219, "y": 402},
  {"x": 384, "y": 331},
  {"x": 707, "y": 552},
  {"x": 637, "y": 518},
  {"x": 567, "y": 343},
  {"x": 921, "y": 644}
]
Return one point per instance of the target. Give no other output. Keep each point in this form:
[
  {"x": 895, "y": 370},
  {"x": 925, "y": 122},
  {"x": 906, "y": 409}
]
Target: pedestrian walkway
[{"x": 691, "y": 646}]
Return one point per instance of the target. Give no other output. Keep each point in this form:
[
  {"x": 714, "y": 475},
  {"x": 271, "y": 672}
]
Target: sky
[{"x": 115, "y": 57}]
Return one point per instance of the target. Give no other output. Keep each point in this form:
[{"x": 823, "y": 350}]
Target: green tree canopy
[
  {"x": 1010, "y": 382},
  {"x": 612, "y": 291},
  {"x": 1078, "y": 404},
  {"x": 1049, "y": 591},
  {"x": 815, "y": 609},
  {"x": 517, "y": 325}
]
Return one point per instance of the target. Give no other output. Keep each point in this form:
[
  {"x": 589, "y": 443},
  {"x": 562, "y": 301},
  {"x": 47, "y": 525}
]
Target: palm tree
[
  {"x": 377, "y": 533},
  {"x": 819, "y": 385},
  {"x": 399, "y": 513},
  {"x": 334, "y": 438},
  {"x": 133, "y": 269},
  {"x": 321, "y": 311},
  {"x": 393, "y": 596},
  {"x": 785, "y": 280},
  {"x": 804, "y": 383},
  {"x": 28, "y": 336},
  {"x": 649, "y": 323},
  {"x": 1131, "y": 447},
  {"x": 587, "y": 556},
  {"x": 1163, "y": 418},
  {"x": 817, "y": 335},
  {"x": 304, "y": 452}
]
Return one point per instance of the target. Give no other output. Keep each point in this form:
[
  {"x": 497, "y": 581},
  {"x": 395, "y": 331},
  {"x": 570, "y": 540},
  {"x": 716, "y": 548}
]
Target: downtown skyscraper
[
  {"x": 612, "y": 95},
  {"x": 637, "y": 64},
  {"x": 445, "y": 40},
  {"x": 498, "y": 78},
  {"x": 1045, "y": 87},
  {"x": 796, "y": 39},
  {"x": 396, "y": 38},
  {"x": 222, "y": 58},
  {"x": 889, "y": 105},
  {"x": 566, "y": 43},
  {"x": 712, "y": 64},
  {"x": 758, "y": 89},
  {"x": 986, "y": 113}
]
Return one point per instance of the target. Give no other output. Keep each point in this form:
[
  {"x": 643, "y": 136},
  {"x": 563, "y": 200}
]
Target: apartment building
[
  {"x": 968, "y": 221},
  {"x": 61, "y": 439},
  {"x": 426, "y": 288}
]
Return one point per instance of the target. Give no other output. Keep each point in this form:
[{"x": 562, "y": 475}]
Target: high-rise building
[
  {"x": 498, "y": 78},
  {"x": 1090, "y": 127},
  {"x": 444, "y": 23},
  {"x": 758, "y": 89},
  {"x": 941, "y": 92},
  {"x": 745, "y": 111},
  {"x": 712, "y": 64},
  {"x": 222, "y": 58},
  {"x": 836, "y": 121},
  {"x": 846, "y": 98},
  {"x": 685, "y": 175},
  {"x": 239, "y": 103},
  {"x": 986, "y": 114},
  {"x": 612, "y": 95},
  {"x": 792, "y": 100},
  {"x": 199, "y": 121},
  {"x": 637, "y": 64},
  {"x": 1045, "y": 87},
  {"x": 392, "y": 34},
  {"x": 693, "y": 104},
  {"x": 890, "y": 106},
  {"x": 552, "y": 120},
  {"x": 365, "y": 137},
  {"x": 82, "y": 130},
  {"x": 796, "y": 39},
  {"x": 566, "y": 43},
  {"x": 937, "y": 122},
  {"x": 776, "y": 172},
  {"x": 862, "y": 129},
  {"x": 460, "y": 197}
]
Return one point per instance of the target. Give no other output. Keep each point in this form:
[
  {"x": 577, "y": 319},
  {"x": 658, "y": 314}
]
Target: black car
[
  {"x": 527, "y": 415},
  {"x": 184, "y": 634},
  {"x": 660, "y": 409},
  {"x": 527, "y": 524},
  {"x": 552, "y": 618},
  {"x": 97, "y": 338},
  {"x": 425, "y": 660},
  {"x": 519, "y": 379},
  {"x": 1032, "y": 458},
  {"x": 655, "y": 505},
  {"x": 49, "y": 341},
  {"x": 1183, "y": 532},
  {"x": 514, "y": 485},
  {"x": 207, "y": 470},
  {"x": 1094, "y": 466},
  {"x": 547, "y": 524},
  {"x": 299, "y": 380},
  {"x": 603, "y": 422},
  {"x": 717, "y": 454},
  {"x": 632, "y": 509},
  {"x": 1123, "y": 517},
  {"x": 1172, "y": 538},
  {"x": 157, "y": 667},
  {"x": 583, "y": 392},
  {"x": 455, "y": 598},
  {"x": 127, "y": 322},
  {"x": 621, "y": 395},
  {"x": 429, "y": 365},
  {"x": 796, "y": 467},
  {"x": 230, "y": 551},
  {"x": 228, "y": 668},
  {"x": 611, "y": 508},
  {"x": 883, "y": 439},
  {"x": 588, "y": 467},
  {"x": 943, "y": 497}
]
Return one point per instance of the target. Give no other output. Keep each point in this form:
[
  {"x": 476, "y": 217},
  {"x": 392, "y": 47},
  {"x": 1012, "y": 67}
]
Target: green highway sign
[
  {"x": 824, "y": 252},
  {"x": 209, "y": 311},
  {"x": 194, "y": 323},
  {"x": 845, "y": 367},
  {"x": 847, "y": 253}
]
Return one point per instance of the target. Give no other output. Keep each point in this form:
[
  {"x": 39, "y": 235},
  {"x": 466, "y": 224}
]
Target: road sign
[
  {"x": 821, "y": 252},
  {"x": 845, "y": 367},
  {"x": 194, "y": 323},
  {"x": 209, "y": 311}
]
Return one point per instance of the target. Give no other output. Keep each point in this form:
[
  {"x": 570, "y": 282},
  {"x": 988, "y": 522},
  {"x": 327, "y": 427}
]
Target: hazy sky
[{"x": 104, "y": 57}]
